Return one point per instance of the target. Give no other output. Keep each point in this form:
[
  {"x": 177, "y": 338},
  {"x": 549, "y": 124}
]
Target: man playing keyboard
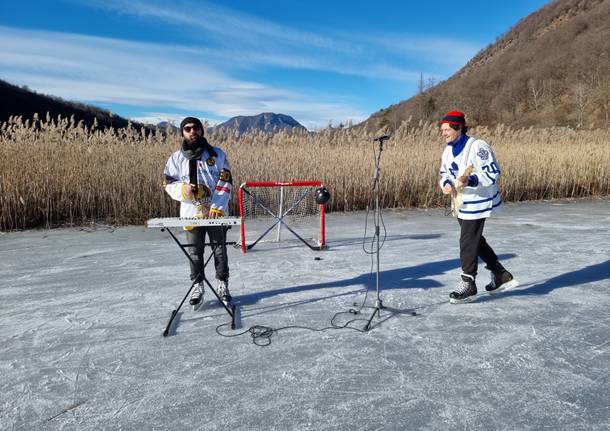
[{"x": 198, "y": 175}]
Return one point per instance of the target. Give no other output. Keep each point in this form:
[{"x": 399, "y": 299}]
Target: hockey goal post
[{"x": 270, "y": 209}]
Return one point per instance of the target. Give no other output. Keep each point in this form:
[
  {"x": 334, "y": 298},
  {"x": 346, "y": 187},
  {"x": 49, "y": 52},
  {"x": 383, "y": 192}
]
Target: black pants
[
  {"x": 473, "y": 246},
  {"x": 217, "y": 236}
]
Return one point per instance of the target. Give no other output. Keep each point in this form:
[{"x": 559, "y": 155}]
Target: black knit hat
[{"x": 191, "y": 120}]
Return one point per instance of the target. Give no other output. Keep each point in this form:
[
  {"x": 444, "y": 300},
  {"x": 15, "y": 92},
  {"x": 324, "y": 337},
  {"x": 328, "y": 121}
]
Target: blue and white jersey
[
  {"x": 213, "y": 178},
  {"x": 481, "y": 195}
]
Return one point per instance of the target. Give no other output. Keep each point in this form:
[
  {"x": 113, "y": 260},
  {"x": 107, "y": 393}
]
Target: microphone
[{"x": 382, "y": 138}]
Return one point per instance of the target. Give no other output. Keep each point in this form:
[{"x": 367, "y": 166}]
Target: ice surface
[{"x": 82, "y": 312}]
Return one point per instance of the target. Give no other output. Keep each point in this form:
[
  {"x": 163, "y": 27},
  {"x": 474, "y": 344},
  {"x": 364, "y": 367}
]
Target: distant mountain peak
[{"x": 265, "y": 122}]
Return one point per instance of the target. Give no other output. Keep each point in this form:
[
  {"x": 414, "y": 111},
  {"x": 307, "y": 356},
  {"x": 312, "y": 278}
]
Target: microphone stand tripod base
[{"x": 376, "y": 310}]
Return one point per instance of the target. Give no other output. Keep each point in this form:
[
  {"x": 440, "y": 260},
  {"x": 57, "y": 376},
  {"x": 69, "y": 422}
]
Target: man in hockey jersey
[
  {"x": 199, "y": 177},
  {"x": 469, "y": 166}
]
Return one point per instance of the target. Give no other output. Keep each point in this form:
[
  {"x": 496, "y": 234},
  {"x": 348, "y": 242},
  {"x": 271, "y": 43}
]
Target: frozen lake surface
[{"x": 82, "y": 312}]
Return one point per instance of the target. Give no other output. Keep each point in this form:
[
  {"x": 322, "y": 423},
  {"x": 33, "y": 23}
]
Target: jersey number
[{"x": 492, "y": 168}]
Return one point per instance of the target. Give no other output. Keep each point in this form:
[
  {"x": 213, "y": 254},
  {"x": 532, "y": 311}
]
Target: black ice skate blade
[
  {"x": 506, "y": 286},
  {"x": 463, "y": 301},
  {"x": 474, "y": 298},
  {"x": 197, "y": 306}
]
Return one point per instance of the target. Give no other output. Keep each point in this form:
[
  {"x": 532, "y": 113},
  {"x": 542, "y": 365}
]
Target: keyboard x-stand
[{"x": 225, "y": 223}]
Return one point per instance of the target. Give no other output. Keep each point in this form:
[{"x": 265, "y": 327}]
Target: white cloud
[
  {"x": 203, "y": 77},
  {"x": 227, "y": 25},
  {"x": 248, "y": 41},
  {"x": 86, "y": 68},
  {"x": 449, "y": 52}
]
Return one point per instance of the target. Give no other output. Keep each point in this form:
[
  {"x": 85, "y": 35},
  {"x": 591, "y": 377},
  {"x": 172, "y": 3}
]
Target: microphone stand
[{"x": 377, "y": 218}]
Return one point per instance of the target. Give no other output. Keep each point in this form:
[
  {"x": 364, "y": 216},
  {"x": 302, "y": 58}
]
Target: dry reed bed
[{"x": 58, "y": 172}]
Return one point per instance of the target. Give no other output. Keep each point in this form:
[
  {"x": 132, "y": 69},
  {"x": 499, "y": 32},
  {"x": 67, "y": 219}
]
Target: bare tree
[
  {"x": 602, "y": 100},
  {"x": 421, "y": 90},
  {"x": 536, "y": 91},
  {"x": 581, "y": 95}
]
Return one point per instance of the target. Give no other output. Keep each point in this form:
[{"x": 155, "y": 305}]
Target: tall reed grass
[{"x": 55, "y": 172}]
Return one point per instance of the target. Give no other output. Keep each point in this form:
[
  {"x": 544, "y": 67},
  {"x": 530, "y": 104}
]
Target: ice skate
[
  {"x": 223, "y": 291},
  {"x": 501, "y": 279},
  {"x": 465, "y": 291},
  {"x": 197, "y": 296}
]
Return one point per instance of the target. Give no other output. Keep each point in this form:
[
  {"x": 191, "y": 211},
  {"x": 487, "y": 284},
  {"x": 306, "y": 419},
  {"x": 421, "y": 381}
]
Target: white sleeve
[
  {"x": 172, "y": 183},
  {"x": 444, "y": 171},
  {"x": 486, "y": 168}
]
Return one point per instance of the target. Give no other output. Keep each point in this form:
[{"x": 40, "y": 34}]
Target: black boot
[
  {"x": 500, "y": 278},
  {"x": 464, "y": 291}
]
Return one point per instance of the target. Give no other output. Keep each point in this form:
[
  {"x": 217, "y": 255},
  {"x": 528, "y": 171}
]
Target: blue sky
[{"x": 318, "y": 61}]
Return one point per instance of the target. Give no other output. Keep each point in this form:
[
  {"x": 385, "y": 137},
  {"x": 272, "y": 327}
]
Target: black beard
[
  {"x": 193, "y": 149},
  {"x": 195, "y": 144}
]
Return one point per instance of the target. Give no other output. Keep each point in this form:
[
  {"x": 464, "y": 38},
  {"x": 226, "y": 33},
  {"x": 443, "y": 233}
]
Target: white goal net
[{"x": 281, "y": 211}]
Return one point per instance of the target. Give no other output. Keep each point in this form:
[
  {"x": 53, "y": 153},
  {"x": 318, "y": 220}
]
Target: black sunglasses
[{"x": 188, "y": 129}]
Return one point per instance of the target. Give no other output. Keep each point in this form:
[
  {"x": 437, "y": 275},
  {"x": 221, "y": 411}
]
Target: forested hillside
[{"x": 551, "y": 68}]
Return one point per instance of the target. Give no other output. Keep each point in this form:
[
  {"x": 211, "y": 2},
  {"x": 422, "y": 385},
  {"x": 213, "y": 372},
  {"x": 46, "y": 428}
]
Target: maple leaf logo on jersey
[
  {"x": 454, "y": 169},
  {"x": 483, "y": 154}
]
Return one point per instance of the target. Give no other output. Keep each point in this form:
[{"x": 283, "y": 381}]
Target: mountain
[
  {"x": 266, "y": 122},
  {"x": 166, "y": 125},
  {"x": 20, "y": 101},
  {"x": 551, "y": 68}
]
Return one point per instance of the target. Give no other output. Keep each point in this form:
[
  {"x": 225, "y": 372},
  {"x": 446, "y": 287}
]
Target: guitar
[{"x": 457, "y": 195}]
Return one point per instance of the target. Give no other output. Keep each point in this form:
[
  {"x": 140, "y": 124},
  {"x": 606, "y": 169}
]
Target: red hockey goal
[{"x": 275, "y": 210}]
